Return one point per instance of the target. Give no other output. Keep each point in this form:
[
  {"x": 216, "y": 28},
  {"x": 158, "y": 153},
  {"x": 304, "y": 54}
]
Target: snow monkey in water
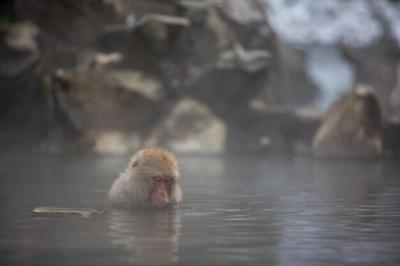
[{"x": 151, "y": 180}]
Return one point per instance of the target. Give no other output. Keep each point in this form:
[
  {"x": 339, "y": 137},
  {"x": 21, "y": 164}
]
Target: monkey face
[
  {"x": 151, "y": 179},
  {"x": 160, "y": 193}
]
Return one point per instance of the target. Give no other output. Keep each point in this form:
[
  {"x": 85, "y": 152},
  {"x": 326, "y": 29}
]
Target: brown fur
[
  {"x": 351, "y": 127},
  {"x": 132, "y": 188}
]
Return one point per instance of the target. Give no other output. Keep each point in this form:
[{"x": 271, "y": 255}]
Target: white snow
[
  {"x": 331, "y": 72},
  {"x": 330, "y": 22}
]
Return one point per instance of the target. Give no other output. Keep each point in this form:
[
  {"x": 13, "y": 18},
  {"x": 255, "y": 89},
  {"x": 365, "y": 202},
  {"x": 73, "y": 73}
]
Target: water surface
[{"x": 236, "y": 211}]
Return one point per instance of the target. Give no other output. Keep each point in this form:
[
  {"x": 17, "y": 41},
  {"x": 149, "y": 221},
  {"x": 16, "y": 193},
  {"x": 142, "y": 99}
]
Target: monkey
[{"x": 151, "y": 180}]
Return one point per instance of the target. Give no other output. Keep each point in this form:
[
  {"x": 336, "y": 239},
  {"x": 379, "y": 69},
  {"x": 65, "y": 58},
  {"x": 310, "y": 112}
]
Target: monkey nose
[{"x": 164, "y": 195}]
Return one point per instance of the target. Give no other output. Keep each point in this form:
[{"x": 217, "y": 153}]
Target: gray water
[{"x": 236, "y": 211}]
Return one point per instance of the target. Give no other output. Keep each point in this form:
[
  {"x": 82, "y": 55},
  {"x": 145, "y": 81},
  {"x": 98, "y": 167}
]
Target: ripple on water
[{"x": 282, "y": 214}]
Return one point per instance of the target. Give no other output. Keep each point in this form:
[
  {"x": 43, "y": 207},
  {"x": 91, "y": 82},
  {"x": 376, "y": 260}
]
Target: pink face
[{"x": 160, "y": 193}]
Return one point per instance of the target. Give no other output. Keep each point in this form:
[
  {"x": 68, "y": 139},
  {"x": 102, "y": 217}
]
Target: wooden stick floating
[{"x": 57, "y": 211}]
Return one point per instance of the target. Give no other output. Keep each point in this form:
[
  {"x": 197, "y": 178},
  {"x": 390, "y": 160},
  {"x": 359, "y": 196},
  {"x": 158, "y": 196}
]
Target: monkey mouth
[{"x": 162, "y": 205}]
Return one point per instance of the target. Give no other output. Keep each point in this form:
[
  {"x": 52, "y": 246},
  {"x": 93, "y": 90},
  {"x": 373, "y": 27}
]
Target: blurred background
[
  {"x": 200, "y": 76},
  {"x": 295, "y": 79}
]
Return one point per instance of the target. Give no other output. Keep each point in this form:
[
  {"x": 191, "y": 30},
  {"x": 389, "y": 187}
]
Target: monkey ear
[
  {"x": 135, "y": 160},
  {"x": 135, "y": 163}
]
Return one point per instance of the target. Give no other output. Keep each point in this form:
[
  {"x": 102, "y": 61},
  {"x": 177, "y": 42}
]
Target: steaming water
[{"x": 237, "y": 211}]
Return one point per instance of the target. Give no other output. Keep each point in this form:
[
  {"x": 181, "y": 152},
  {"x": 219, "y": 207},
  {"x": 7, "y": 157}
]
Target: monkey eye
[
  {"x": 168, "y": 181},
  {"x": 157, "y": 179}
]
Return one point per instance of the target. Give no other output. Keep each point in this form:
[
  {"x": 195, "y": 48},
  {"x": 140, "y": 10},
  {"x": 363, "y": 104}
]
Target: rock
[
  {"x": 195, "y": 10},
  {"x": 243, "y": 12},
  {"x": 120, "y": 7},
  {"x": 138, "y": 82},
  {"x": 194, "y": 4},
  {"x": 158, "y": 29},
  {"x": 20, "y": 51},
  {"x": 351, "y": 127},
  {"x": 104, "y": 59},
  {"x": 18, "y": 64},
  {"x": 224, "y": 36},
  {"x": 21, "y": 36},
  {"x": 246, "y": 60},
  {"x": 107, "y": 100},
  {"x": 163, "y": 19},
  {"x": 57, "y": 211},
  {"x": 231, "y": 71},
  {"x": 391, "y": 133},
  {"x": 192, "y": 127},
  {"x": 109, "y": 110},
  {"x": 116, "y": 143},
  {"x": 118, "y": 65},
  {"x": 270, "y": 130}
]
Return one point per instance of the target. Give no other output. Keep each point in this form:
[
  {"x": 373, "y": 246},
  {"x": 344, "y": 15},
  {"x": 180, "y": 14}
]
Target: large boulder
[
  {"x": 105, "y": 100},
  {"x": 113, "y": 75},
  {"x": 192, "y": 127},
  {"x": 351, "y": 127},
  {"x": 111, "y": 109}
]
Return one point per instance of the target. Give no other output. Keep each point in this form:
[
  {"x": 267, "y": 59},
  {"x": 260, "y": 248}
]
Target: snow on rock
[
  {"x": 391, "y": 12},
  {"x": 331, "y": 72},
  {"x": 306, "y": 22},
  {"x": 243, "y": 12}
]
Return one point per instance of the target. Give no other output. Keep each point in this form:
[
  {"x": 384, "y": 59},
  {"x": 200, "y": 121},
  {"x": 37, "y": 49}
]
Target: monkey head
[{"x": 152, "y": 179}]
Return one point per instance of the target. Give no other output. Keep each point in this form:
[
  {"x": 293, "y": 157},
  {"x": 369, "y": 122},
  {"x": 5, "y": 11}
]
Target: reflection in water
[
  {"x": 242, "y": 210},
  {"x": 343, "y": 213},
  {"x": 148, "y": 236}
]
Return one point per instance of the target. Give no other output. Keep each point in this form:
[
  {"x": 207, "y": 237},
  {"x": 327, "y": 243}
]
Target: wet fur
[{"x": 132, "y": 189}]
